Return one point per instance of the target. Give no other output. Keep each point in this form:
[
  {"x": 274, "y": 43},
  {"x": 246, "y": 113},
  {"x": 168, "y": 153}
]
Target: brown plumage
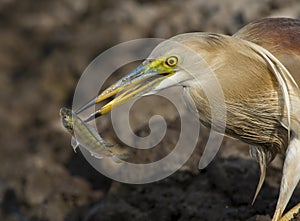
[
  {"x": 281, "y": 37},
  {"x": 258, "y": 72},
  {"x": 253, "y": 98}
]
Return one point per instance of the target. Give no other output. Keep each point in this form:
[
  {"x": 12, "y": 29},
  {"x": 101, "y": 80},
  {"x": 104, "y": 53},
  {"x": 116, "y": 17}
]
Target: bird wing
[
  {"x": 291, "y": 95},
  {"x": 290, "y": 89}
]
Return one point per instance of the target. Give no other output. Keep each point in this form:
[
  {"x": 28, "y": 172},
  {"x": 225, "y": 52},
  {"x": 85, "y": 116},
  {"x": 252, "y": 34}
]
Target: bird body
[
  {"x": 253, "y": 99},
  {"x": 257, "y": 70},
  {"x": 281, "y": 37}
]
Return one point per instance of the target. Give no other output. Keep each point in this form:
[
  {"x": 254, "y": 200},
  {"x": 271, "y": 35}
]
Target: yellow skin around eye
[{"x": 162, "y": 65}]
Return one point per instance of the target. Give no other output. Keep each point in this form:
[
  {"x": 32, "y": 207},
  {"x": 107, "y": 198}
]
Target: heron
[{"x": 258, "y": 70}]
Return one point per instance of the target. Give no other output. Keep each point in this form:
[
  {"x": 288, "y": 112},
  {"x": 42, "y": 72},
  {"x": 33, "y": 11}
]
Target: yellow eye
[{"x": 172, "y": 61}]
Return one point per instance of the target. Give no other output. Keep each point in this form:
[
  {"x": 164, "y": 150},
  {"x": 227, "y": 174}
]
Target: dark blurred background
[{"x": 44, "y": 48}]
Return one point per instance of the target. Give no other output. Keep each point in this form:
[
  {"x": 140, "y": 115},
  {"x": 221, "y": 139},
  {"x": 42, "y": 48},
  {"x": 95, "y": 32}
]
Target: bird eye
[{"x": 172, "y": 61}]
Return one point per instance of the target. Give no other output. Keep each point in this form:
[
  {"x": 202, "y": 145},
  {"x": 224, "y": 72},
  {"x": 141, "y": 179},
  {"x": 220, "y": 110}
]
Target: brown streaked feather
[
  {"x": 252, "y": 93},
  {"x": 260, "y": 154},
  {"x": 280, "y": 36}
]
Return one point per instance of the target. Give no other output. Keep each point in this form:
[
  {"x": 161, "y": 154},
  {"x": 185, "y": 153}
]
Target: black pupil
[{"x": 172, "y": 61}]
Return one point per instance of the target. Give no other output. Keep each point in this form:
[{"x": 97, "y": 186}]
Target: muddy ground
[{"x": 44, "y": 48}]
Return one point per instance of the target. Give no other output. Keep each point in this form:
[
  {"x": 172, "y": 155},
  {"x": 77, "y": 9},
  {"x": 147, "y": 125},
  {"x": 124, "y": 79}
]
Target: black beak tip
[{"x": 86, "y": 106}]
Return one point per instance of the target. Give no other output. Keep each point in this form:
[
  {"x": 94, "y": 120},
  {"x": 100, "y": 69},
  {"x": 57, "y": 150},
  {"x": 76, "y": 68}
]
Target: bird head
[{"x": 172, "y": 63}]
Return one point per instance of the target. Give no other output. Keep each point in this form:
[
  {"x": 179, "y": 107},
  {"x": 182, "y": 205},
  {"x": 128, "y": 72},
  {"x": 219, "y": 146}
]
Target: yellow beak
[{"x": 139, "y": 82}]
